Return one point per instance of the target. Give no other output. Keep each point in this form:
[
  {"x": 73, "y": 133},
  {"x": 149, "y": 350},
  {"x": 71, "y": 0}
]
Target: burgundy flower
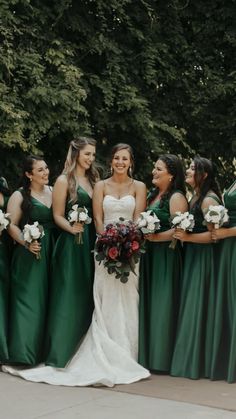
[
  {"x": 135, "y": 245},
  {"x": 113, "y": 252}
]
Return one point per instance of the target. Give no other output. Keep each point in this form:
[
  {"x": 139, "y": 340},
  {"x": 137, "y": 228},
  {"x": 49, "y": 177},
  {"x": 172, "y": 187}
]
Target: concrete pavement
[{"x": 20, "y": 399}]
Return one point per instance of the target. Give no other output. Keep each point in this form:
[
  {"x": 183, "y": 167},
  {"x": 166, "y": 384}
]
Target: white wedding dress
[{"x": 109, "y": 351}]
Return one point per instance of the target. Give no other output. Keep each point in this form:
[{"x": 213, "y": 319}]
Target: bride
[{"x": 109, "y": 351}]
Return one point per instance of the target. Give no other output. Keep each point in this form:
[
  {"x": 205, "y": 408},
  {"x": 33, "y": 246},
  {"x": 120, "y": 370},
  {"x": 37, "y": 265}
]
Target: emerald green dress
[
  {"x": 160, "y": 281},
  {"x": 71, "y": 303},
  {"x": 4, "y": 289},
  {"x": 29, "y": 289},
  {"x": 193, "y": 346},
  {"x": 224, "y": 339}
]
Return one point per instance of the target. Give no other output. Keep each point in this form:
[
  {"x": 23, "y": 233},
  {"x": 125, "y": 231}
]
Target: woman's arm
[
  {"x": 178, "y": 202},
  {"x": 14, "y": 209},
  {"x": 98, "y": 196},
  {"x": 140, "y": 198},
  {"x": 59, "y": 197}
]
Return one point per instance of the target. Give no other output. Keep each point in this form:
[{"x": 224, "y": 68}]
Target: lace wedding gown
[{"x": 109, "y": 351}]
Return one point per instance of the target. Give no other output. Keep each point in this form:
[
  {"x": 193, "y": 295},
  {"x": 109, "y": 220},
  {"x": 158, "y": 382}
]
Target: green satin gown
[
  {"x": 71, "y": 303},
  {"x": 194, "y": 340},
  {"x": 160, "y": 281},
  {"x": 224, "y": 339},
  {"x": 4, "y": 289},
  {"x": 29, "y": 290}
]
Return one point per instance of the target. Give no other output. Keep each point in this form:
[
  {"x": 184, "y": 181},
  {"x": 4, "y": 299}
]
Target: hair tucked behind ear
[
  {"x": 175, "y": 169},
  {"x": 26, "y": 205},
  {"x": 70, "y": 165}
]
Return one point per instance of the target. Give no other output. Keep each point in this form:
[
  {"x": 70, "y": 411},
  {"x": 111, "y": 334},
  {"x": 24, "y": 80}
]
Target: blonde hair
[{"x": 70, "y": 165}]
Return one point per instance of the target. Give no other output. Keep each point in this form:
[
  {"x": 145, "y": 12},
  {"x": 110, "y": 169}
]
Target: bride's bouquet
[
  {"x": 79, "y": 215},
  {"x": 216, "y": 215},
  {"x": 148, "y": 222},
  {"x": 120, "y": 247},
  {"x": 184, "y": 221},
  {"x": 33, "y": 232},
  {"x": 4, "y": 221}
]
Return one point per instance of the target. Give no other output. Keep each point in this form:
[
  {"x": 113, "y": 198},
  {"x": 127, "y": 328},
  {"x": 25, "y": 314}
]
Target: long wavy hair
[
  {"x": 24, "y": 185},
  {"x": 175, "y": 168},
  {"x": 205, "y": 180},
  {"x": 123, "y": 146},
  {"x": 70, "y": 165}
]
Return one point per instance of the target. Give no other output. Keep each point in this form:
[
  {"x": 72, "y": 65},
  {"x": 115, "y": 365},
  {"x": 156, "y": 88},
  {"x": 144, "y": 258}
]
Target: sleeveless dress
[
  {"x": 193, "y": 346},
  {"x": 29, "y": 290},
  {"x": 224, "y": 339},
  {"x": 71, "y": 295},
  {"x": 4, "y": 288},
  {"x": 108, "y": 352},
  {"x": 160, "y": 279}
]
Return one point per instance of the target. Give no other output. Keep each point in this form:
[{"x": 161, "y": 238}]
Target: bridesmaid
[
  {"x": 161, "y": 268},
  {"x": 30, "y": 276},
  {"x": 71, "y": 303},
  {"x": 193, "y": 347},
  {"x": 4, "y": 275},
  {"x": 224, "y": 339}
]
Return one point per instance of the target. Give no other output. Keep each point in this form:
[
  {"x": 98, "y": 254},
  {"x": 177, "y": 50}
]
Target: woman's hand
[
  {"x": 150, "y": 237},
  {"x": 77, "y": 228},
  {"x": 34, "y": 247},
  {"x": 181, "y": 235},
  {"x": 219, "y": 233}
]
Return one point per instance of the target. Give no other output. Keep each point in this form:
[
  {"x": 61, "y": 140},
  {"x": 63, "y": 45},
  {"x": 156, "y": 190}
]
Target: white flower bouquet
[
  {"x": 148, "y": 222},
  {"x": 217, "y": 215},
  {"x": 4, "y": 220},
  {"x": 33, "y": 232},
  {"x": 184, "y": 221},
  {"x": 79, "y": 215}
]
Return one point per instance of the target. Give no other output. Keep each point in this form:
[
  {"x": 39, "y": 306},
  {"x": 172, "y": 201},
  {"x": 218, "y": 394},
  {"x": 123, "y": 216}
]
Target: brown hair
[
  {"x": 123, "y": 146},
  {"x": 70, "y": 165}
]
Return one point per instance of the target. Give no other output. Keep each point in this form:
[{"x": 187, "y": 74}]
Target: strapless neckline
[{"x": 119, "y": 199}]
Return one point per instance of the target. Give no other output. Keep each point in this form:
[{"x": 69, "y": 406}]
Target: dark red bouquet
[{"x": 119, "y": 247}]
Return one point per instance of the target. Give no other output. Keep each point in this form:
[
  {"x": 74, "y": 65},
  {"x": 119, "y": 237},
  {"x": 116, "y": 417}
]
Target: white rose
[
  {"x": 73, "y": 216},
  {"x": 142, "y": 223},
  {"x": 151, "y": 226},
  {"x": 35, "y": 233},
  {"x": 83, "y": 216},
  {"x": 27, "y": 236},
  {"x": 75, "y": 207},
  {"x": 185, "y": 224},
  {"x": 215, "y": 219}
]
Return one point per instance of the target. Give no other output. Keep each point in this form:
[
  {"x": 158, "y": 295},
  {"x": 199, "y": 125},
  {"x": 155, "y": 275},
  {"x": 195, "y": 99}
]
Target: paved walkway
[{"x": 20, "y": 399}]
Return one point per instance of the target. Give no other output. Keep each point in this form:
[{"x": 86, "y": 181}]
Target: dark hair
[
  {"x": 26, "y": 205},
  {"x": 70, "y": 165},
  {"x": 203, "y": 166},
  {"x": 175, "y": 168},
  {"x": 123, "y": 146},
  {"x": 4, "y": 187}
]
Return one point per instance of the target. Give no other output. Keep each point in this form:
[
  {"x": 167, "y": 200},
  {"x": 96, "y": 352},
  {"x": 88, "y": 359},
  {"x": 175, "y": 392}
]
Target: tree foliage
[{"x": 158, "y": 75}]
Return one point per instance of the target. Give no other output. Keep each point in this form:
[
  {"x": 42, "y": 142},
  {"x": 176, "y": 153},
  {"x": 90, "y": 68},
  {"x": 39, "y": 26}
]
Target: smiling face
[
  {"x": 161, "y": 176},
  {"x": 39, "y": 174},
  {"x": 86, "y": 157},
  {"x": 190, "y": 175},
  {"x": 121, "y": 161}
]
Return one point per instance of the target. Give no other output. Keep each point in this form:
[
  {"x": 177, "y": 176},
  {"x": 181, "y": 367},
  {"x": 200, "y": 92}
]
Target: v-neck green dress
[
  {"x": 193, "y": 346},
  {"x": 224, "y": 338},
  {"x": 4, "y": 288},
  {"x": 160, "y": 282},
  {"x": 71, "y": 302},
  {"x": 29, "y": 290}
]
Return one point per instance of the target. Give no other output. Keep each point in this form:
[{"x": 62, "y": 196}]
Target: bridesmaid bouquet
[
  {"x": 120, "y": 247},
  {"x": 148, "y": 222},
  {"x": 184, "y": 221},
  {"x": 79, "y": 215},
  {"x": 33, "y": 232},
  {"x": 4, "y": 221},
  {"x": 216, "y": 215}
]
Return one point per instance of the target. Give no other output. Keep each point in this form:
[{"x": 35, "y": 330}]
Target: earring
[
  {"x": 170, "y": 179},
  {"x": 30, "y": 179},
  {"x": 111, "y": 170},
  {"x": 130, "y": 172}
]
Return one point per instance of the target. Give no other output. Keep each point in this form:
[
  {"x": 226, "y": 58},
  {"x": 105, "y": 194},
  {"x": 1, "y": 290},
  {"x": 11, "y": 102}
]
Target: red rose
[
  {"x": 113, "y": 252},
  {"x": 135, "y": 245}
]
